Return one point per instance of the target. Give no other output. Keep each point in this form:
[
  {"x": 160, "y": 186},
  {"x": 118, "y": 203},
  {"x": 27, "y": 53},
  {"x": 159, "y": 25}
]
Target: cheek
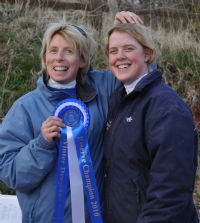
[
  {"x": 49, "y": 58},
  {"x": 111, "y": 60},
  {"x": 47, "y": 65},
  {"x": 138, "y": 58},
  {"x": 46, "y": 60}
]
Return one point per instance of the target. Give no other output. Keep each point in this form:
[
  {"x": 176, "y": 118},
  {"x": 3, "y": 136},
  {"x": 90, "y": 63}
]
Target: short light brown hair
[
  {"x": 139, "y": 32},
  {"x": 81, "y": 40}
]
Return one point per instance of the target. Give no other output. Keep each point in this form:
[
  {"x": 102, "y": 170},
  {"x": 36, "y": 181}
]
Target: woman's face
[
  {"x": 62, "y": 60},
  {"x": 126, "y": 56}
]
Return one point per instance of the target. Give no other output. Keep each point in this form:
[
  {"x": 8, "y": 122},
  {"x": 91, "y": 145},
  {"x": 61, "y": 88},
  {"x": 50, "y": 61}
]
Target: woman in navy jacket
[{"x": 151, "y": 140}]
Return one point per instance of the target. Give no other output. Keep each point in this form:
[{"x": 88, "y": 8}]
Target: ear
[
  {"x": 147, "y": 54},
  {"x": 82, "y": 63}
]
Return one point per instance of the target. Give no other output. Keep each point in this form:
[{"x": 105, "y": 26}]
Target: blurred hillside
[{"x": 177, "y": 33}]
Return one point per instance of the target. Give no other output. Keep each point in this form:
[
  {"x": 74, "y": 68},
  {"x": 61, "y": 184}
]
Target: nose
[
  {"x": 121, "y": 54},
  {"x": 60, "y": 56}
]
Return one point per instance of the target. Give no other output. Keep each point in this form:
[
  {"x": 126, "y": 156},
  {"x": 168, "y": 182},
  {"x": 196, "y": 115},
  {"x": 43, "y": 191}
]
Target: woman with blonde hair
[{"x": 150, "y": 142}]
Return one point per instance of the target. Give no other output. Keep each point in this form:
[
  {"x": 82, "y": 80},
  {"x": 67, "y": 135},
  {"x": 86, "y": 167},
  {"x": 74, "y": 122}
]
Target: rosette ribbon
[{"x": 75, "y": 169}]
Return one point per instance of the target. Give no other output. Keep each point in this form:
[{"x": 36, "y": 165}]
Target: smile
[
  {"x": 60, "y": 68},
  {"x": 122, "y": 66}
]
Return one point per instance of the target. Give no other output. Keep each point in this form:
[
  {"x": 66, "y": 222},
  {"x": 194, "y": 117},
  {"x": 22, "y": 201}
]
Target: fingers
[
  {"x": 51, "y": 128},
  {"x": 53, "y": 120},
  {"x": 127, "y": 17}
]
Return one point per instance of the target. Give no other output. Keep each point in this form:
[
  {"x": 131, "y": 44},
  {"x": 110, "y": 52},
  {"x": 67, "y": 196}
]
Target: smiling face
[
  {"x": 62, "y": 60},
  {"x": 127, "y": 58}
]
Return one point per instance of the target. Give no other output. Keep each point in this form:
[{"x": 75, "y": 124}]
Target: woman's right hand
[{"x": 51, "y": 128}]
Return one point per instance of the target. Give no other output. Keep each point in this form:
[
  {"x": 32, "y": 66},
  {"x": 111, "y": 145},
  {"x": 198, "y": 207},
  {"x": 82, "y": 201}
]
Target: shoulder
[
  {"x": 103, "y": 80},
  {"x": 168, "y": 96},
  {"x": 26, "y": 101},
  {"x": 154, "y": 90},
  {"x": 98, "y": 75},
  {"x": 32, "y": 95},
  {"x": 163, "y": 101},
  {"x": 20, "y": 109}
]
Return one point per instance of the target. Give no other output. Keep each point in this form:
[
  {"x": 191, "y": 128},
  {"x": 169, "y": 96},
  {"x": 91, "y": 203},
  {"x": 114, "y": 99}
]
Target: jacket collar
[
  {"x": 150, "y": 78},
  {"x": 147, "y": 80},
  {"x": 85, "y": 92}
]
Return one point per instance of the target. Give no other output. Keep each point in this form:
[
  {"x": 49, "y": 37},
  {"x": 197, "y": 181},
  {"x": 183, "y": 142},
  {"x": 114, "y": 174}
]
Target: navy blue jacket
[{"x": 150, "y": 156}]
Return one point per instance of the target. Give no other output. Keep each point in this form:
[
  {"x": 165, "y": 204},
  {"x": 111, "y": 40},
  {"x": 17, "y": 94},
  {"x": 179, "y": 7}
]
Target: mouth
[
  {"x": 123, "y": 66},
  {"x": 60, "y": 68}
]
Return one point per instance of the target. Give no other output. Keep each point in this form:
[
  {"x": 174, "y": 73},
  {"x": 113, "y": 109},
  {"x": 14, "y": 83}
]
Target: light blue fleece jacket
[{"x": 28, "y": 162}]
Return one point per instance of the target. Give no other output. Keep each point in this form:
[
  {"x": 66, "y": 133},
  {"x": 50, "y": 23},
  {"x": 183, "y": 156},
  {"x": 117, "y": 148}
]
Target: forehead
[
  {"x": 118, "y": 38},
  {"x": 61, "y": 39}
]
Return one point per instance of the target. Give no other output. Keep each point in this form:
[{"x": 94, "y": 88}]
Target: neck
[
  {"x": 130, "y": 87},
  {"x": 54, "y": 84}
]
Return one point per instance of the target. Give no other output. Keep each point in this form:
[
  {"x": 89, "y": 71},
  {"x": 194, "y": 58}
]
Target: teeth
[
  {"x": 122, "y": 66},
  {"x": 60, "y": 68}
]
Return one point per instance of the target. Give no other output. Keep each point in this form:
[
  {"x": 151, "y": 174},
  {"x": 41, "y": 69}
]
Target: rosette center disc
[{"x": 73, "y": 112}]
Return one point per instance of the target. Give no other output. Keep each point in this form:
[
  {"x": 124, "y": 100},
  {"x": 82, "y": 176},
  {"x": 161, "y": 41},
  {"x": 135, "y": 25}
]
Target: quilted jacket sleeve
[{"x": 25, "y": 159}]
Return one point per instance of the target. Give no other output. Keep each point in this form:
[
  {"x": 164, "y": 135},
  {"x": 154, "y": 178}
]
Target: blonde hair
[
  {"x": 139, "y": 32},
  {"x": 80, "y": 39}
]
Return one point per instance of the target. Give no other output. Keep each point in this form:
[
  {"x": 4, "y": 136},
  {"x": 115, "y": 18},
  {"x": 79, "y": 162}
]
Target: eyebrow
[{"x": 126, "y": 45}]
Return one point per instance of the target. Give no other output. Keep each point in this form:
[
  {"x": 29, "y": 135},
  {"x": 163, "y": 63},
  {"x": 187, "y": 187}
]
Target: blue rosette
[
  {"x": 72, "y": 112},
  {"x": 75, "y": 169}
]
